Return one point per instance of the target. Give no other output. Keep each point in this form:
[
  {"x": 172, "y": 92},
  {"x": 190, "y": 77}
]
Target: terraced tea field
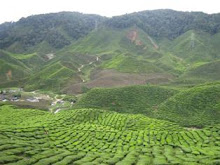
[{"x": 91, "y": 136}]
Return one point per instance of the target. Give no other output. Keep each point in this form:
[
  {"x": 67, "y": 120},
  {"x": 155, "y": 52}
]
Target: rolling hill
[
  {"x": 142, "y": 88},
  {"x": 197, "y": 106},
  {"x": 12, "y": 68},
  {"x": 55, "y": 30},
  {"x": 161, "y": 46},
  {"x": 92, "y": 136},
  {"x": 133, "y": 99}
]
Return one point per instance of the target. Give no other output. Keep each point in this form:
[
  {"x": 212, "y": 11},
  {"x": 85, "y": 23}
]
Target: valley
[{"x": 141, "y": 88}]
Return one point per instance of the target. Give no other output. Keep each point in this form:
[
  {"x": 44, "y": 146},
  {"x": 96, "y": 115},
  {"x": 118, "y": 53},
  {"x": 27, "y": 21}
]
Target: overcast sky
[{"x": 13, "y": 10}]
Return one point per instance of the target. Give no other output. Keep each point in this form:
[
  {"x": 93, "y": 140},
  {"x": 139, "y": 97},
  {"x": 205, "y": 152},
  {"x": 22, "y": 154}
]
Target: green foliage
[
  {"x": 132, "y": 65},
  {"x": 170, "y": 43},
  {"x": 70, "y": 98},
  {"x": 52, "y": 77},
  {"x": 208, "y": 71},
  {"x": 60, "y": 29},
  {"x": 196, "y": 106},
  {"x": 172, "y": 64},
  {"x": 85, "y": 89},
  {"x": 167, "y": 23},
  {"x": 195, "y": 46},
  {"x": 11, "y": 68},
  {"x": 57, "y": 29},
  {"x": 180, "y": 44},
  {"x": 91, "y": 136},
  {"x": 134, "y": 99}
]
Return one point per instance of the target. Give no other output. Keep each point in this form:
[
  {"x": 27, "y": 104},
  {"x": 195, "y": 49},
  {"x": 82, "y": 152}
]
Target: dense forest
[
  {"x": 60, "y": 29},
  {"x": 136, "y": 89},
  {"x": 168, "y": 23}
]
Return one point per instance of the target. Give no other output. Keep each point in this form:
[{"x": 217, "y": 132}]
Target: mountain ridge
[{"x": 165, "y": 42}]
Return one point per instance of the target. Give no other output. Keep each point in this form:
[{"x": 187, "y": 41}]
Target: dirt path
[
  {"x": 80, "y": 68},
  {"x": 153, "y": 43},
  {"x": 192, "y": 42},
  {"x": 57, "y": 110},
  {"x": 90, "y": 63}
]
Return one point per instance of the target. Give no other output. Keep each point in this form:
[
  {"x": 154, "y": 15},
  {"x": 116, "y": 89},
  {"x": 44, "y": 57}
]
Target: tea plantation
[
  {"x": 94, "y": 136},
  {"x": 197, "y": 106}
]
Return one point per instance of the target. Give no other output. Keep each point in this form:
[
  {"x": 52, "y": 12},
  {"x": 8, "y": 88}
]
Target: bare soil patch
[{"x": 112, "y": 78}]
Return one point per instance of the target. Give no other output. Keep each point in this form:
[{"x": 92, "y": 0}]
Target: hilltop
[
  {"x": 132, "y": 99},
  {"x": 141, "y": 88},
  {"x": 59, "y": 51},
  {"x": 192, "y": 107}
]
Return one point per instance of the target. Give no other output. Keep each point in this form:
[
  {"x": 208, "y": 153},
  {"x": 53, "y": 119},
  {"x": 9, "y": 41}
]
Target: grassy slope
[
  {"x": 126, "y": 56},
  {"x": 195, "y": 57},
  {"x": 61, "y": 71},
  {"x": 197, "y": 106},
  {"x": 207, "y": 71},
  {"x": 133, "y": 99},
  {"x": 51, "y": 77},
  {"x": 117, "y": 51},
  {"x": 101, "y": 41},
  {"x": 131, "y": 64},
  {"x": 172, "y": 64},
  {"x": 91, "y": 136},
  {"x": 196, "y": 46},
  {"x": 34, "y": 61},
  {"x": 175, "y": 57},
  {"x": 18, "y": 69},
  {"x": 114, "y": 41}
]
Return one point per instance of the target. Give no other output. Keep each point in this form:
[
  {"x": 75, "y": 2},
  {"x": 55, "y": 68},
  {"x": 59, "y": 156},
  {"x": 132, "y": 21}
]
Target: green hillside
[
  {"x": 137, "y": 89},
  {"x": 171, "y": 64},
  {"x": 55, "y": 29},
  {"x": 61, "y": 29},
  {"x": 166, "y": 42},
  {"x": 90, "y": 136},
  {"x": 133, "y": 99},
  {"x": 196, "y": 46},
  {"x": 64, "y": 69},
  {"x": 52, "y": 77},
  {"x": 105, "y": 40},
  {"x": 206, "y": 71},
  {"x": 197, "y": 106},
  {"x": 12, "y": 68},
  {"x": 167, "y": 23},
  {"x": 99, "y": 41},
  {"x": 128, "y": 64}
]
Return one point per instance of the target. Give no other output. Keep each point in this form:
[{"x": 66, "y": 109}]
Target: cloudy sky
[{"x": 13, "y": 10}]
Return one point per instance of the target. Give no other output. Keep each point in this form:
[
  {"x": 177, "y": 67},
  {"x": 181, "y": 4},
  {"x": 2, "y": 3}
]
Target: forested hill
[
  {"x": 168, "y": 23},
  {"x": 57, "y": 29},
  {"x": 60, "y": 29}
]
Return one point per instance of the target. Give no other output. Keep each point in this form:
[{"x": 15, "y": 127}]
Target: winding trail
[
  {"x": 57, "y": 110},
  {"x": 153, "y": 43},
  {"x": 80, "y": 68},
  {"x": 83, "y": 65}
]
